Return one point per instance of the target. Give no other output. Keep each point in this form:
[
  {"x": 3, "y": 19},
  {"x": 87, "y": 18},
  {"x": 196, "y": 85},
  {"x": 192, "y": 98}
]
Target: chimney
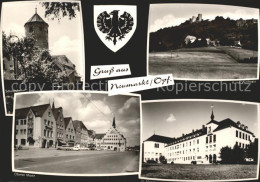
[
  {"x": 246, "y": 128},
  {"x": 238, "y": 123},
  {"x": 183, "y": 134},
  {"x": 192, "y": 130},
  {"x": 203, "y": 126}
]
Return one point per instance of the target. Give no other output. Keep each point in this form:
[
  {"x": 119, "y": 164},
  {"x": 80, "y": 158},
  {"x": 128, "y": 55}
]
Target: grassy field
[
  {"x": 203, "y": 63},
  {"x": 198, "y": 172}
]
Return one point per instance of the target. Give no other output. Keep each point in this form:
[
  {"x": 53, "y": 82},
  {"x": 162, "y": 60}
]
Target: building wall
[
  {"x": 113, "y": 140},
  {"x": 70, "y": 133},
  {"x": 153, "y": 150},
  {"x": 21, "y": 132},
  {"x": 40, "y": 32},
  {"x": 48, "y": 129},
  {"x": 60, "y": 126},
  {"x": 199, "y": 149}
]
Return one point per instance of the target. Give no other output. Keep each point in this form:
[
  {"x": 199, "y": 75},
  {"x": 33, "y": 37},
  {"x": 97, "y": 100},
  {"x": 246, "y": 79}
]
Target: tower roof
[
  {"x": 114, "y": 122},
  {"x": 35, "y": 18}
]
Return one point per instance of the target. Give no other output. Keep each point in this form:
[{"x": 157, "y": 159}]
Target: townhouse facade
[
  {"x": 70, "y": 132},
  {"x": 35, "y": 126},
  {"x": 202, "y": 146}
]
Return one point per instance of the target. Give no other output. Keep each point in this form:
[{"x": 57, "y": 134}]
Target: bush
[
  {"x": 162, "y": 159},
  {"x": 193, "y": 162}
]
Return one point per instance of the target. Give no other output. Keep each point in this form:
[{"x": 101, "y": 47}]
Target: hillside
[{"x": 224, "y": 31}]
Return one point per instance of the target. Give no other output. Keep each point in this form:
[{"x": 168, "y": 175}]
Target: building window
[
  {"x": 246, "y": 136},
  {"x": 236, "y": 133},
  {"x": 239, "y": 134},
  {"x": 243, "y": 136},
  {"x": 207, "y": 140},
  {"x": 214, "y": 138},
  {"x": 16, "y": 132},
  {"x": 198, "y": 141},
  {"x": 156, "y": 145},
  {"x": 30, "y": 29}
]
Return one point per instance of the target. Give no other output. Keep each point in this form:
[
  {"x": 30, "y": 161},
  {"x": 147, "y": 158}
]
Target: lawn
[
  {"x": 198, "y": 172},
  {"x": 203, "y": 63}
]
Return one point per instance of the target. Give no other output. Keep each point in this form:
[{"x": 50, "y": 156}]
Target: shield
[{"x": 115, "y": 24}]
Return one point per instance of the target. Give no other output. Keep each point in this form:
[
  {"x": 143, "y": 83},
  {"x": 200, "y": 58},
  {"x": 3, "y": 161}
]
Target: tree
[
  {"x": 226, "y": 155},
  {"x": 60, "y": 9},
  {"x": 32, "y": 63},
  {"x": 235, "y": 155},
  {"x": 162, "y": 159},
  {"x": 252, "y": 150}
]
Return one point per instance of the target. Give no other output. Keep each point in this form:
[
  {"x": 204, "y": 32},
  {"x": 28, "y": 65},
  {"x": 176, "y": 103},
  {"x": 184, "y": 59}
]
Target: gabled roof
[
  {"x": 36, "y": 18},
  {"x": 213, "y": 121},
  {"x": 158, "y": 138},
  {"x": 56, "y": 112},
  {"x": 76, "y": 124},
  {"x": 62, "y": 60},
  {"x": 38, "y": 111},
  {"x": 67, "y": 121},
  {"x": 227, "y": 123},
  {"x": 99, "y": 135}
]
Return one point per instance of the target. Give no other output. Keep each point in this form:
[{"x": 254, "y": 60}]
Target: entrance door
[
  {"x": 214, "y": 158},
  {"x": 210, "y": 158},
  {"x": 44, "y": 143}
]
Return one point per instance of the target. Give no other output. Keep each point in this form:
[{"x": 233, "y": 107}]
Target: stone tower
[{"x": 37, "y": 27}]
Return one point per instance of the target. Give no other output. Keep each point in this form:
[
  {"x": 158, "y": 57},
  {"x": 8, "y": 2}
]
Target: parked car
[
  {"x": 76, "y": 148},
  {"x": 84, "y": 148},
  {"x": 98, "y": 149}
]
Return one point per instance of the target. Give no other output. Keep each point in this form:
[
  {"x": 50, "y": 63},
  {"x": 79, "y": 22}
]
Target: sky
[
  {"x": 172, "y": 119},
  {"x": 95, "y": 110},
  {"x": 167, "y": 15},
  {"x": 65, "y": 36}
]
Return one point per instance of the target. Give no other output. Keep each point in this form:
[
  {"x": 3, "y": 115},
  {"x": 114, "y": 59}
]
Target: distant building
[
  {"x": 202, "y": 145},
  {"x": 60, "y": 125},
  {"x": 113, "y": 139},
  {"x": 70, "y": 132},
  {"x": 35, "y": 126},
  {"x": 241, "y": 23},
  {"x": 195, "y": 19},
  {"x": 189, "y": 38},
  {"x": 98, "y": 140}
]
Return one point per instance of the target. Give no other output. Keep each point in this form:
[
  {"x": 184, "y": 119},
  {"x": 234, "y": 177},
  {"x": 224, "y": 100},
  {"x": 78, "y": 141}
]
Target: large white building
[
  {"x": 202, "y": 145},
  {"x": 112, "y": 140}
]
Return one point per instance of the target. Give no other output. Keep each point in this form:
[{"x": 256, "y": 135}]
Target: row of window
[
  {"x": 113, "y": 139},
  {"x": 60, "y": 126},
  {"x": 60, "y": 135},
  {"x": 107, "y": 143},
  {"x": 22, "y": 132},
  {"x": 70, "y": 137},
  {"x": 242, "y": 145},
  {"x": 241, "y": 135},
  {"x": 48, "y": 133},
  {"x": 183, "y": 152},
  {"x": 185, "y": 144},
  {"x": 48, "y": 123},
  {"x": 20, "y": 122},
  {"x": 70, "y": 130},
  {"x": 209, "y": 139},
  {"x": 153, "y": 153}
]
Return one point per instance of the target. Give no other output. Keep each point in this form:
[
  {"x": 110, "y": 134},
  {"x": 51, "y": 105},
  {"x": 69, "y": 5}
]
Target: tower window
[{"x": 31, "y": 29}]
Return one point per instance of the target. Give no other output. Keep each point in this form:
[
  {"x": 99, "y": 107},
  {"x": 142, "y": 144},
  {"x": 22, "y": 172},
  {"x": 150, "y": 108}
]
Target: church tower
[{"x": 37, "y": 27}]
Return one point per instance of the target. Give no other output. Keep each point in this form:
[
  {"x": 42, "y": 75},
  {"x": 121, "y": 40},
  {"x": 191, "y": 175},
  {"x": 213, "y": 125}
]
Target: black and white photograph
[
  {"x": 203, "y": 41},
  {"x": 42, "y": 47},
  {"x": 76, "y": 133},
  {"x": 199, "y": 140}
]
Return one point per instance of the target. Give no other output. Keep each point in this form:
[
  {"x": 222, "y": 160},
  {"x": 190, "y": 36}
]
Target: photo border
[
  {"x": 1, "y": 29},
  {"x": 71, "y": 174},
  {"x": 189, "y": 79},
  {"x": 202, "y": 100}
]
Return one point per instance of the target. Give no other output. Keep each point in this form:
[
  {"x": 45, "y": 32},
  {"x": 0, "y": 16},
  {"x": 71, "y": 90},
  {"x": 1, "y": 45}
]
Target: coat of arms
[{"x": 115, "y": 25}]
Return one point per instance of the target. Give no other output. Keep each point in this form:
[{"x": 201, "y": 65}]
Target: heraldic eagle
[{"x": 115, "y": 26}]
